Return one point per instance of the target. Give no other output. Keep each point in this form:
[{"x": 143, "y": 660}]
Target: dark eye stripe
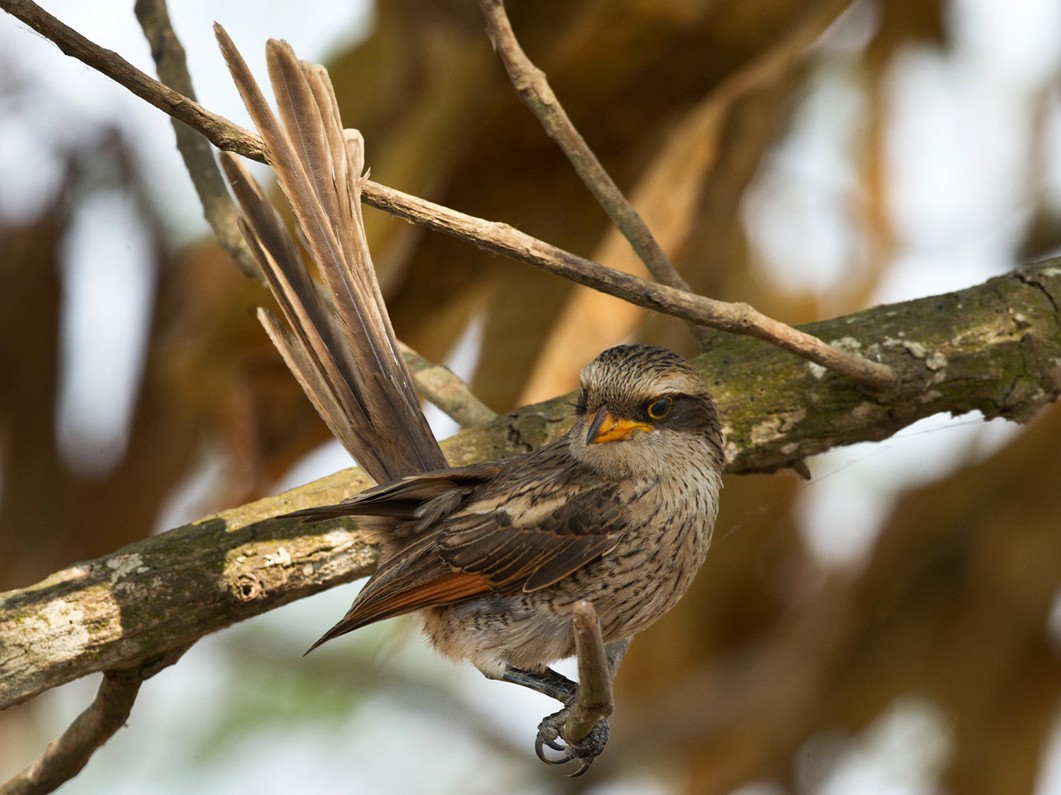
[{"x": 690, "y": 414}]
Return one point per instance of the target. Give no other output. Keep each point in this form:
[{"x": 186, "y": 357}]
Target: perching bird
[{"x": 618, "y": 512}]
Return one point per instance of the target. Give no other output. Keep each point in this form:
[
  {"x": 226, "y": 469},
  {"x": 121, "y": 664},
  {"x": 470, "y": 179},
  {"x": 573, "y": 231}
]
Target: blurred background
[{"x": 892, "y": 626}]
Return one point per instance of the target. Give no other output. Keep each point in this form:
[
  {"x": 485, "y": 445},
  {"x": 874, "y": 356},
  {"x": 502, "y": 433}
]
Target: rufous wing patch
[{"x": 451, "y": 588}]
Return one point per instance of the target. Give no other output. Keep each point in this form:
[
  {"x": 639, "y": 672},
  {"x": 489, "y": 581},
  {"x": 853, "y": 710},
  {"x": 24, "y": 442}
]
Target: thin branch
[
  {"x": 593, "y": 701},
  {"x": 65, "y": 756},
  {"x": 441, "y": 387},
  {"x": 492, "y": 236},
  {"x": 198, "y": 155},
  {"x": 533, "y": 88},
  {"x": 223, "y": 133},
  {"x": 738, "y": 318}
]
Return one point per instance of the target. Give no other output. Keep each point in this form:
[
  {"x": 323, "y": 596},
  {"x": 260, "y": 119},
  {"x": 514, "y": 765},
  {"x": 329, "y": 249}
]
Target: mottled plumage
[
  {"x": 498, "y": 553},
  {"x": 493, "y": 556}
]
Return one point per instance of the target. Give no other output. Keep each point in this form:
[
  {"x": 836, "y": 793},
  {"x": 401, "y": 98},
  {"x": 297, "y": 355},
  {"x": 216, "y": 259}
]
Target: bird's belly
[
  {"x": 630, "y": 587},
  {"x": 493, "y": 632}
]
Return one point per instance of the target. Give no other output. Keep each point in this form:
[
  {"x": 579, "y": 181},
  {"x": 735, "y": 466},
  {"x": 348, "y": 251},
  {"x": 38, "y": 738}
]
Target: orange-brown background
[{"x": 778, "y": 668}]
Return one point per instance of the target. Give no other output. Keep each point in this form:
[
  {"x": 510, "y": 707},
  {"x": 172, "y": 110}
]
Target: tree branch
[
  {"x": 492, "y": 236},
  {"x": 165, "y": 592},
  {"x": 65, "y": 757},
  {"x": 741, "y": 319},
  {"x": 533, "y": 88},
  {"x": 448, "y": 392},
  {"x": 198, "y": 155}
]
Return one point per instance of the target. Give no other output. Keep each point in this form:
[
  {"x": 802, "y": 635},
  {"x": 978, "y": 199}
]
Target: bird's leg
[
  {"x": 583, "y": 722},
  {"x": 615, "y": 652},
  {"x": 564, "y": 724},
  {"x": 547, "y": 682},
  {"x": 557, "y": 686}
]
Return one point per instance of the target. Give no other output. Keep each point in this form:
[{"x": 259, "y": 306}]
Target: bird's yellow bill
[{"x": 606, "y": 427}]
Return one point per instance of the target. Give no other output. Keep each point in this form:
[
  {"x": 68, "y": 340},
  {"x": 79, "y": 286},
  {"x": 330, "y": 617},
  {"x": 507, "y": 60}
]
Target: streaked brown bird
[{"x": 618, "y": 512}]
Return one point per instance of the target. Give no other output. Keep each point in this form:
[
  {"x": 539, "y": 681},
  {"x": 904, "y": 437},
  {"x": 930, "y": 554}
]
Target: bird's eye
[
  {"x": 580, "y": 407},
  {"x": 659, "y": 408}
]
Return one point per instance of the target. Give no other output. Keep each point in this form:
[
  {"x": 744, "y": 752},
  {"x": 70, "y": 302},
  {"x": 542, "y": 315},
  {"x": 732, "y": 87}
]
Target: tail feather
[{"x": 345, "y": 354}]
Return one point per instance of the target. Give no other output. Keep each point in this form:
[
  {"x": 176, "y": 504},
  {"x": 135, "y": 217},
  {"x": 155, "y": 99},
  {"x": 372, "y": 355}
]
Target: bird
[
  {"x": 618, "y": 511},
  {"x": 492, "y": 556}
]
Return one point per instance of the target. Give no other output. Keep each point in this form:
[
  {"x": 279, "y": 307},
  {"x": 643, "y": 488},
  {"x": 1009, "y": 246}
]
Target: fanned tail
[{"x": 344, "y": 353}]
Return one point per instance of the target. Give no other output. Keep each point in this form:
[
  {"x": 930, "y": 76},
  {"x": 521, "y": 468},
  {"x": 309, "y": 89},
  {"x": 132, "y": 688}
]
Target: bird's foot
[{"x": 585, "y": 750}]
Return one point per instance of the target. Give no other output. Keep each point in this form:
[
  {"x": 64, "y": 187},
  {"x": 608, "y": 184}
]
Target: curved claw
[
  {"x": 548, "y": 734},
  {"x": 585, "y": 751},
  {"x": 583, "y": 766},
  {"x": 539, "y": 749}
]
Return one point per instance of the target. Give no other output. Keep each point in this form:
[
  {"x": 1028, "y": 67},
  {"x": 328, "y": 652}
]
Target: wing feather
[
  {"x": 483, "y": 540},
  {"x": 530, "y": 549},
  {"x": 451, "y": 587}
]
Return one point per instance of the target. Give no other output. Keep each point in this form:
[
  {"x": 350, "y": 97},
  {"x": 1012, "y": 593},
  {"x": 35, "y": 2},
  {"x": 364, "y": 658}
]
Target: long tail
[{"x": 343, "y": 352}]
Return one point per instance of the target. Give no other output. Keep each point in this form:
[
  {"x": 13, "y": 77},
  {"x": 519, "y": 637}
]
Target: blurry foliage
[{"x": 769, "y": 650}]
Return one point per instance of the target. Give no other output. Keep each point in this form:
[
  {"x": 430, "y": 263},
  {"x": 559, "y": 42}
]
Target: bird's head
[{"x": 641, "y": 411}]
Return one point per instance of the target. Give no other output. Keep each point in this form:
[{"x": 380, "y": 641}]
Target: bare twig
[
  {"x": 69, "y": 753},
  {"x": 737, "y": 318},
  {"x": 223, "y": 133},
  {"x": 497, "y": 237},
  {"x": 196, "y": 151},
  {"x": 533, "y": 88},
  {"x": 447, "y": 391},
  {"x": 593, "y": 701}
]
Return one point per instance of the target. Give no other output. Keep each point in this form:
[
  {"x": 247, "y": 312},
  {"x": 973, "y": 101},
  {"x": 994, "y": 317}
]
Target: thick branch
[
  {"x": 497, "y": 237},
  {"x": 994, "y": 348}
]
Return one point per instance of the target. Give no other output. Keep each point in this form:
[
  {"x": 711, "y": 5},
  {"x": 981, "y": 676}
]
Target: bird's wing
[
  {"x": 421, "y": 499},
  {"x": 345, "y": 354},
  {"x": 413, "y": 579},
  {"x": 490, "y": 544},
  {"x": 528, "y": 543}
]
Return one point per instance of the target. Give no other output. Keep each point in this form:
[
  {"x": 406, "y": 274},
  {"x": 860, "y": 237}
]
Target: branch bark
[
  {"x": 995, "y": 348},
  {"x": 446, "y": 391}
]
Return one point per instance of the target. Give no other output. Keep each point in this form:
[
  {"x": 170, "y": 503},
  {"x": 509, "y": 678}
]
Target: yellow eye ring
[{"x": 659, "y": 408}]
